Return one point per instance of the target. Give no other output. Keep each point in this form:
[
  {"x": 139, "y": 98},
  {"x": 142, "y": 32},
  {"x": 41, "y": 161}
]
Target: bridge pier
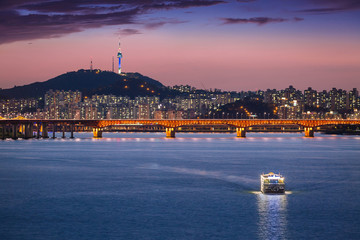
[
  {"x": 3, "y": 132},
  {"x": 14, "y": 131},
  {"x": 37, "y": 130},
  {"x": 28, "y": 131},
  {"x": 241, "y": 132},
  {"x": 44, "y": 130},
  {"x": 309, "y": 132},
  {"x": 97, "y": 132},
  {"x": 63, "y": 131},
  {"x": 31, "y": 130},
  {"x": 25, "y": 129},
  {"x": 71, "y": 130},
  {"x": 170, "y": 132},
  {"x": 54, "y": 131}
]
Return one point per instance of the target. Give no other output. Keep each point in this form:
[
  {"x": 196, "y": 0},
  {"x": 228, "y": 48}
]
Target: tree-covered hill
[{"x": 91, "y": 82}]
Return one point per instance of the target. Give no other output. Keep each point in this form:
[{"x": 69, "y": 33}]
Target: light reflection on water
[{"x": 272, "y": 211}]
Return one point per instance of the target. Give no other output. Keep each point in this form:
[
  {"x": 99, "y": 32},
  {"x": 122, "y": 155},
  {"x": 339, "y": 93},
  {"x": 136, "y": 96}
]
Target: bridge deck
[
  {"x": 186, "y": 122},
  {"x": 14, "y": 126}
]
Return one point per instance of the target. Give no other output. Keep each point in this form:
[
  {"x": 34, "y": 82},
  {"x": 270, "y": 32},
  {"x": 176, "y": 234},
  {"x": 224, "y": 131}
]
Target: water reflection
[{"x": 272, "y": 216}]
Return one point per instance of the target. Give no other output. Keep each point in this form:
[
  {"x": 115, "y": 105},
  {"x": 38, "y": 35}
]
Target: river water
[{"x": 196, "y": 186}]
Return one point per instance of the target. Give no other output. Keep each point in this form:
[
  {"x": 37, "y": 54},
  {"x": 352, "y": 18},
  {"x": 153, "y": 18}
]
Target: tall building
[
  {"x": 337, "y": 99},
  {"x": 351, "y": 99},
  {"x": 310, "y": 97},
  {"x": 61, "y": 104},
  {"x": 119, "y": 56}
]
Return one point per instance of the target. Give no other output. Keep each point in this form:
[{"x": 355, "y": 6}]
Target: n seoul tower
[{"x": 119, "y": 56}]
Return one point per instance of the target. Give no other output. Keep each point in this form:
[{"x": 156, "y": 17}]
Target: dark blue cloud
[
  {"x": 128, "y": 32},
  {"x": 258, "y": 20},
  {"x": 331, "y": 6},
  {"x": 25, "y": 20}
]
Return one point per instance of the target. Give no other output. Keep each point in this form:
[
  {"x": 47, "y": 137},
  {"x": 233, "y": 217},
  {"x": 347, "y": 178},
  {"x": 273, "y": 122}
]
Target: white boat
[{"x": 272, "y": 183}]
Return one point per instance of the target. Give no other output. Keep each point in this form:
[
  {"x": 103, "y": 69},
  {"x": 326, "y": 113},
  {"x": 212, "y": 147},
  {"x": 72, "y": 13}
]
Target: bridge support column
[
  {"x": 28, "y": 131},
  {"x": 3, "y": 132},
  {"x": 240, "y": 132},
  {"x": 97, "y": 132},
  {"x": 31, "y": 130},
  {"x": 38, "y": 130},
  {"x": 72, "y": 131},
  {"x": 54, "y": 131},
  {"x": 44, "y": 130},
  {"x": 63, "y": 131},
  {"x": 14, "y": 131},
  {"x": 25, "y": 129},
  {"x": 309, "y": 132},
  {"x": 170, "y": 132}
]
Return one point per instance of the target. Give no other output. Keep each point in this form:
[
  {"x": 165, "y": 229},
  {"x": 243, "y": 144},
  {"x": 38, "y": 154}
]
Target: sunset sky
[{"x": 231, "y": 45}]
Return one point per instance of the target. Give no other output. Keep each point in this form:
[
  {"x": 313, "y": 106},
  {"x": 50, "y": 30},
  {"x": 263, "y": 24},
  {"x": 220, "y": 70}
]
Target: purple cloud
[
  {"x": 153, "y": 24},
  {"x": 26, "y": 20},
  {"x": 128, "y": 32},
  {"x": 331, "y": 6},
  {"x": 34, "y": 26},
  {"x": 257, "y": 20},
  {"x": 182, "y": 4}
]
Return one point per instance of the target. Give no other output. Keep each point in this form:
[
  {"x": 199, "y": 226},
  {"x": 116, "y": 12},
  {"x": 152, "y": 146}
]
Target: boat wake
[{"x": 204, "y": 173}]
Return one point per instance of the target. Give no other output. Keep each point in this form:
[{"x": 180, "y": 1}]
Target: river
[{"x": 196, "y": 186}]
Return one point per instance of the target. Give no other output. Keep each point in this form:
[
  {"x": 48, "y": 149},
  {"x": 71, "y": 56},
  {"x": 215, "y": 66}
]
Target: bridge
[{"x": 13, "y": 127}]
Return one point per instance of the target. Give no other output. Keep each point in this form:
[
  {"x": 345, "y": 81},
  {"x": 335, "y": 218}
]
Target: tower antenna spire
[
  {"x": 91, "y": 65},
  {"x": 119, "y": 56},
  {"x": 112, "y": 63}
]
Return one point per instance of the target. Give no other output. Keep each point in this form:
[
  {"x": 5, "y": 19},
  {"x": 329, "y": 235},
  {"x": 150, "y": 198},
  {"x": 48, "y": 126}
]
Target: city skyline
[
  {"x": 232, "y": 45},
  {"x": 185, "y": 102}
]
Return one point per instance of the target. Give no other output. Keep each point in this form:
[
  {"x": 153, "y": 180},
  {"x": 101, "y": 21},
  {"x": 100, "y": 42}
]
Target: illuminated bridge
[{"x": 25, "y": 127}]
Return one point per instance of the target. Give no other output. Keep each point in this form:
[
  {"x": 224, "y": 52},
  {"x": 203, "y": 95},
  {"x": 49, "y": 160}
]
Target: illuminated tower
[{"x": 119, "y": 56}]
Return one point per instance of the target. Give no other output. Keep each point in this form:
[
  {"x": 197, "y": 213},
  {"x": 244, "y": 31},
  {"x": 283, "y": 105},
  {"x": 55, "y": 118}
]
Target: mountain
[
  {"x": 91, "y": 82},
  {"x": 244, "y": 109}
]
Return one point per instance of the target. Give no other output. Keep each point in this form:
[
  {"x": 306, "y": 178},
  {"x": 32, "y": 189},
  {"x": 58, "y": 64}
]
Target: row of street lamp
[{"x": 237, "y": 116}]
